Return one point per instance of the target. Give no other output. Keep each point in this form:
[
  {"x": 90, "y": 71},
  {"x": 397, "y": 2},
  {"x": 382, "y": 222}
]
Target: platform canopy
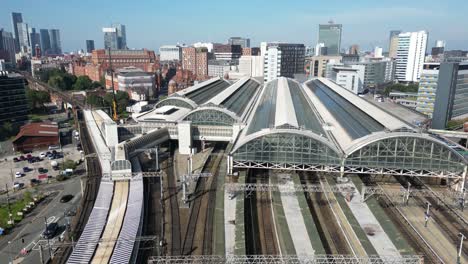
[{"x": 320, "y": 125}]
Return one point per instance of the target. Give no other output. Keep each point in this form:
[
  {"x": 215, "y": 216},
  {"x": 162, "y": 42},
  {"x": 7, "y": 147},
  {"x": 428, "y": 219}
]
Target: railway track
[
  {"x": 450, "y": 224},
  {"x": 409, "y": 232},
  {"x": 152, "y": 218},
  {"x": 173, "y": 204},
  {"x": 93, "y": 167},
  {"x": 259, "y": 226},
  {"x": 199, "y": 237},
  {"x": 332, "y": 239}
]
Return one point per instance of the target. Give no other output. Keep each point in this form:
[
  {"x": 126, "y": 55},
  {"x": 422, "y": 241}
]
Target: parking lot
[{"x": 12, "y": 172}]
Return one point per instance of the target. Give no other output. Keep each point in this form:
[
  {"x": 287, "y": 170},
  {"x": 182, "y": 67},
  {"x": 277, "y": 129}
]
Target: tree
[
  {"x": 96, "y": 85},
  {"x": 37, "y": 99},
  {"x": 57, "y": 81},
  {"x": 95, "y": 100},
  {"x": 83, "y": 83}
]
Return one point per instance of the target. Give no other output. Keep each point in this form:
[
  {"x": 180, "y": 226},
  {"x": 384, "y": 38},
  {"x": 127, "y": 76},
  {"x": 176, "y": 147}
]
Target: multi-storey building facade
[
  {"x": 170, "y": 53},
  {"x": 55, "y": 43},
  {"x": 393, "y": 43},
  {"x": 35, "y": 38},
  {"x": 227, "y": 52},
  {"x": 428, "y": 88},
  {"x": 283, "y": 59},
  {"x": 23, "y": 38},
  {"x": 330, "y": 36},
  {"x": 95, "y": 69},
  {"x": 196, "y": 61},
  {"x": 451, "y": 100},
  {"x": 243, "y": 42},
  {"x": 7, "y": 47},
  {"x": 13, "y": 104},
  {"x": 410, "y": 56},
  {"x": 45, "y": 41},
  {"x": 318, "y": 64},
  {"x": 15, "y": 19},
  {"x": 89, "y": 45}
]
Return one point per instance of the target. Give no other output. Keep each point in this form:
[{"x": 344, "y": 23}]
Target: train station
[{"x": 240, "y": 171}]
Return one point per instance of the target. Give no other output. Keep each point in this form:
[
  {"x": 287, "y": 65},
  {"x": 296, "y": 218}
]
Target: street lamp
[
  {"x": 426, "y": 215},
  {"x": 462, "y": 237}
]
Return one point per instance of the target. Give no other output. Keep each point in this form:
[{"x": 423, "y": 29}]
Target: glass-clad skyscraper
[{"x": 330, "y": 36}]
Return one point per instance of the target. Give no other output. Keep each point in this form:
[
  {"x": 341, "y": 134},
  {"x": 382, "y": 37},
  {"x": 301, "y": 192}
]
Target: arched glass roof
[
  {"x": 212, "y": 115},
  {"x": 400, "y": 150},
  {"x": 287, "y": 146}
]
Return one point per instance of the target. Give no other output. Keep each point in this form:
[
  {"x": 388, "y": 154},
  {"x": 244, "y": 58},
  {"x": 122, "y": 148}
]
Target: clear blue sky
[{"x": 152, "y": 23}]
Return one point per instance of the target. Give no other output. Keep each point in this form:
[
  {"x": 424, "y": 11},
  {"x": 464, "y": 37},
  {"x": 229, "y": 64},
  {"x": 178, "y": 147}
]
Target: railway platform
[
  {"x": 371, "y": 226},
  {"x": 295, "y": 220}
]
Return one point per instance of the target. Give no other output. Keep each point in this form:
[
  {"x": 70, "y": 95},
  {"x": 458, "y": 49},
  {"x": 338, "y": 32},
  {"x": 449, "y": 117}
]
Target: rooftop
[{"x": 44, "y": 129}]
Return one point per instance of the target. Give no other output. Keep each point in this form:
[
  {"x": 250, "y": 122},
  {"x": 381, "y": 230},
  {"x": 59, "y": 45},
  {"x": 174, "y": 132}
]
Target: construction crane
[{"x": 115, "y": 117}]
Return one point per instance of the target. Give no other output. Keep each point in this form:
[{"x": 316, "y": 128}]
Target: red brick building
[
  {"x": 196, "y": 61},
  {"x": 36, "y": 136},
  {"x": 98, "y": 64}
]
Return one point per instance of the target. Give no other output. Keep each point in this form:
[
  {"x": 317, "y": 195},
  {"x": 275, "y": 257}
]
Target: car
[
  {"x": 34, "y": 181},
  {"x": 66, "y": 198},
  {"x": 18, "y": 174},
  {"x": 54, "y": 147},
  {"x": 42, "y": 170},
  {"x": 50, "y": 231},
  {"x": 15, "y": 159},
  {"x": 22, "y": 158},
  {"x": 71, "y": 212},
  {"x": 28, "y": 156},
  {"x": 18, "y": 185},
  {"x": 42, "y": 155},
  {"x": 26, "y": 169}
]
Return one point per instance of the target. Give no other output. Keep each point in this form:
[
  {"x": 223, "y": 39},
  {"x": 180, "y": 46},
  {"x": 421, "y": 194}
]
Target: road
[{"x": 32, "y": 226}]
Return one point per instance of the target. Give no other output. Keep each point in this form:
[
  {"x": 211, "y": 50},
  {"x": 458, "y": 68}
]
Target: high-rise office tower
[
  {"x": 110, "y": 38},
  {"x": 23, "y": 38},
  {"x": 410, "y": 56},
  {"x": 243, "y": 42},
  {"x": 15, "y": 19},
  {"x": 45, "y": 41},
  {"x": 393, "y": 43},
  {"x": 35, "y": 38},
  {"x": 121, "y": 36},
  {"x": 55, "y": 44},
  {"x": 439, "y": 48},
  {"x": 89, "y": 45},
  {"x": 330, "y": 36},
  {"x": 7, "y": 47}
]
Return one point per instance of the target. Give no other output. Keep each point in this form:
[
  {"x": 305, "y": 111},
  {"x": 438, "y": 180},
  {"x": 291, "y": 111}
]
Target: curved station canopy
[{"x": 321, "y": 126}]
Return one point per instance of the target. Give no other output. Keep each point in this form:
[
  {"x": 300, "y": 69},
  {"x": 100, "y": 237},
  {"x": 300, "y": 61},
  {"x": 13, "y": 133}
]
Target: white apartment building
[
  {"x": 410, "y": 56},
  {"x": 170, "y": 53},
  {"x": 251, "y": 66},
  {"x": 272, "y": 64},
  {"x": 350, "y": 78}
]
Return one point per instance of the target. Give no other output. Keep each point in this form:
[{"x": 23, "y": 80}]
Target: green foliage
[
  {"x": 15, "y": 207},
  {"x": 37, "y": 99},
  {"x": 69, "y": 164},
  {"x": 122, "y": 99},
  {"x": 61, "y": 177},
  {"x": 57, "y": 78},
  {"x": 96, "y": 85},
  {"x": 95, "y": 100},
  {"x": 398, "y": 87},
  {"x": 7, "y": 130},
  {"x": 83, "y": 83}
]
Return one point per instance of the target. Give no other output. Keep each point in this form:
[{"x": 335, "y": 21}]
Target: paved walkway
[
  {"x": 229, "y": 223},
  {"x": 371, "y": 226},
  {"x": 296, "y": 225}
]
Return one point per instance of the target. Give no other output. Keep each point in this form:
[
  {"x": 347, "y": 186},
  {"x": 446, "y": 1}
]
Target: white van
[{"x": 54, "y": 147}]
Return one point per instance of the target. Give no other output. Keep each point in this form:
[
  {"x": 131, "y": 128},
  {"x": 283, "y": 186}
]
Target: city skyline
[{"x": 363, "y": 25}]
